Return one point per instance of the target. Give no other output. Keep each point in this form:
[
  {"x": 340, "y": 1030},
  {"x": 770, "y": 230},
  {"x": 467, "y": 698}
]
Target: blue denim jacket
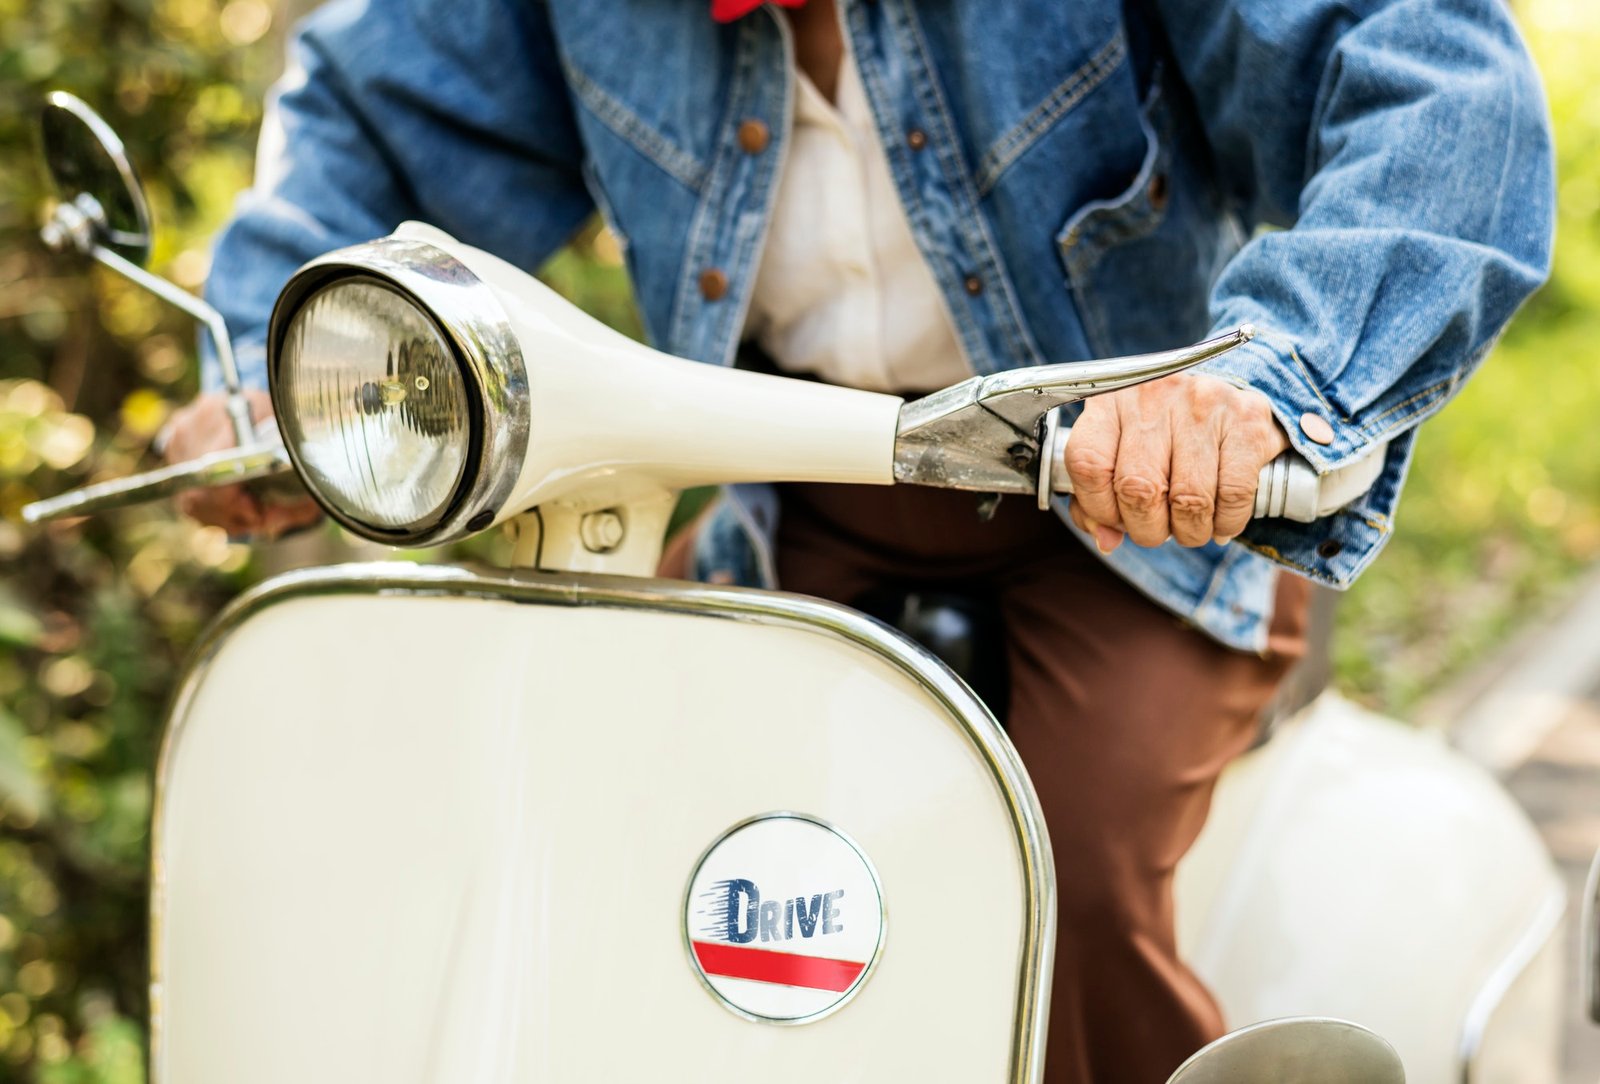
[{"x": 1084, "y": 179}]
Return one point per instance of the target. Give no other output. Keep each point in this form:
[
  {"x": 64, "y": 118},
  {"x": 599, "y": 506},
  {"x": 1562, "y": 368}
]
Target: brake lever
[
  {"x": 983, "y": 434},
  {"x": 1003, "y": 434}
]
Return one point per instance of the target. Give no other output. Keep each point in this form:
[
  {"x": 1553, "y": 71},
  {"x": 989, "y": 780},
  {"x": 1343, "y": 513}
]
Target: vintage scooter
[{"x": 568, "y": 822}]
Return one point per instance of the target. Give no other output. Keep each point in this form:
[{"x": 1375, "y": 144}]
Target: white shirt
[{"x": 842, "y": 292}]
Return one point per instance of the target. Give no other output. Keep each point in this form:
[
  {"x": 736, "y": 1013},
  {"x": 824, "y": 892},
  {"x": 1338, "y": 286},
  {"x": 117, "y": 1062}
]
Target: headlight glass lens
[{"x": 377, "y": 413}]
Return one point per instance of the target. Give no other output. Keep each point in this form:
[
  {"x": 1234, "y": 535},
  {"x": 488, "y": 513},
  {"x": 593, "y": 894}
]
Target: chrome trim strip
[
  {"x": 1493, "y": 991},
  {"x": 665, "y": 596},
  {"x": 1589, "y": 942},
  {"x": 877, "y": 949},
  {"x": 206, "y": 315},
  {"x": 230, "y": 466}
]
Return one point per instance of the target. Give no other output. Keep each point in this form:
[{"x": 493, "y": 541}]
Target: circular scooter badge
[{"x": 784, "y": 919}]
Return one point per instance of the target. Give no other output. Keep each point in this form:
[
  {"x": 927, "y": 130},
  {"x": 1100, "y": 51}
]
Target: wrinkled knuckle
[
  {"x": 1255, "y": 407},
  {"x": 1207, "y": 395},
  {"x": 1193, "y": 505},
  {"x": 1235, "y": 495},
  {"x": 1140, "y": 492},
  {"x": 1090, "y": 467}
]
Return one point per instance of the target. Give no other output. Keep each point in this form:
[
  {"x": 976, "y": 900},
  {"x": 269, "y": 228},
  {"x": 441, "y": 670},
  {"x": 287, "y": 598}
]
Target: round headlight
[
  {"x": 400, "y": 389},
  {"x": 375, "y": 406}
]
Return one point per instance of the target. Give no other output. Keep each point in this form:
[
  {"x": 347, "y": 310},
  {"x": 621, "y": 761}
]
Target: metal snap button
[
  {"x": 974, "y": 285},
  {"x": 1330, "y": 548},
  {"x": 1316, "y": 428},
  {"x": 916, "y": 139},
  {"x": 754, "y": 135},
  {"x": 713, "y": 284}
]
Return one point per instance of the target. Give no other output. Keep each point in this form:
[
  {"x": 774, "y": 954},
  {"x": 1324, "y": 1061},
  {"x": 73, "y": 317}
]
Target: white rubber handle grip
[{"x": 1289, "y": 488}]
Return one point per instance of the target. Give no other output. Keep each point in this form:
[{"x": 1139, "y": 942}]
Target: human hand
[
  {"x": 202, "y": 427},
  {"x": 1174, "y": 458}
]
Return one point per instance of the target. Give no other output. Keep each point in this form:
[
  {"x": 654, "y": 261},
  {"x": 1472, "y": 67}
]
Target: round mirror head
[
  {"x": 1300, "y": 1050},
  {"x": 92, "y": 174}
]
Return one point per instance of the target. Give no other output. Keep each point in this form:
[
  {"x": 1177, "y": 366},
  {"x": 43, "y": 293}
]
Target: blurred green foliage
[
  {"x": 1502, "y": 507},
  {"x": 95, "y": 617}
]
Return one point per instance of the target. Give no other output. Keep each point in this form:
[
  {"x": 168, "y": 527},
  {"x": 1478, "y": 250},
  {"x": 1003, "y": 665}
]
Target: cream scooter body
[
  {"x": 571, "y": 822},
  {"x": 602, "y": 733}
]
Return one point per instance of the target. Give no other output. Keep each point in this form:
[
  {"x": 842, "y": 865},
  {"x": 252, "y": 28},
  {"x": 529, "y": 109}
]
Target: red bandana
[{"x": 726, "y": 11}]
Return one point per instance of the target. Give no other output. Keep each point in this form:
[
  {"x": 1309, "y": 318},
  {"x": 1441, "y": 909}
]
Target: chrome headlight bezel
[{"x": 471, "y": 320}]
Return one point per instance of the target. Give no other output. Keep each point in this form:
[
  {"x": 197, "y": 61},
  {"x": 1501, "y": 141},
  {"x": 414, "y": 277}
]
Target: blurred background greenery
[{"x": 1501, "y": 514}]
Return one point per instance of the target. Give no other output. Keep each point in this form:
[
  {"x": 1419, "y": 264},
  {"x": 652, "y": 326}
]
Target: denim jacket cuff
[
  {"x": 1335, "y": 549},
  {"x": 1269, "y": 364}
]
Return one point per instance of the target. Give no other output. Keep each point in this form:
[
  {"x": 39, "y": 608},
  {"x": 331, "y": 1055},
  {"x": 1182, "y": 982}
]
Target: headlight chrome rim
[{"x": 470, "y": 318}]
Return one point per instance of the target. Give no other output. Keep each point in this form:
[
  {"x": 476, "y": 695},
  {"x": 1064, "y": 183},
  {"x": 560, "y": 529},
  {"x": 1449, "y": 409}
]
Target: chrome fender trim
[{"x": 1544, "y": 923}]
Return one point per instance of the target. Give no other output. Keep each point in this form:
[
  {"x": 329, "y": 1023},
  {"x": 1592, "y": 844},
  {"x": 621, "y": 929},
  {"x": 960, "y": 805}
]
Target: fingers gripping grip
[{"x": 1288, "y": 488}]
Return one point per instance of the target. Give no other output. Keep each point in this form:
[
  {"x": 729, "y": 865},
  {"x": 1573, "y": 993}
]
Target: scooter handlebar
[{"x": 1289, "y": 487}]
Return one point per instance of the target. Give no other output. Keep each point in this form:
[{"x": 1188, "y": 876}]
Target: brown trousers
[{"x": 1123, "y": 715}]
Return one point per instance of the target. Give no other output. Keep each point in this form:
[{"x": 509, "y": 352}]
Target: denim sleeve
[
  {"x": 1405, "y": 145},
  {"x": 450, "y": 111}
]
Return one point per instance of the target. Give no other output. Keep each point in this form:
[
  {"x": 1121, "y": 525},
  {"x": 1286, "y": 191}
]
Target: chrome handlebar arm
[
  {"x": 244, "y": 428},
  {"x": 983, "y": 434},
  {"x": 261, "y": 460},
  {"x": 78, "y": 226}
]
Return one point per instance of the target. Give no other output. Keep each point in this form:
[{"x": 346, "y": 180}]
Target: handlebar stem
[{"x": 209, "y": 318}]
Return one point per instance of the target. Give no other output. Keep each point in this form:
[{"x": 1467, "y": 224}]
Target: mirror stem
[{"x": 244, "y": 429}]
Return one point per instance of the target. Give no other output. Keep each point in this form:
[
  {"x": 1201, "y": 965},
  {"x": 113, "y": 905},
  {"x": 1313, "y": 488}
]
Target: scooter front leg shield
[{"x": 421, "y": 826}]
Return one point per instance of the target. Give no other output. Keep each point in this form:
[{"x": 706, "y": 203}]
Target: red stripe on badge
[{"x": 781, "y": 968}]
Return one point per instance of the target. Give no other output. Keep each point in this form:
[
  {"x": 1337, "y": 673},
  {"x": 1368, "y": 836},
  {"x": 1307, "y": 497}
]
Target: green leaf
[
  {"x": 20, "y": 785},
  {"x": 18, "y": 627}
]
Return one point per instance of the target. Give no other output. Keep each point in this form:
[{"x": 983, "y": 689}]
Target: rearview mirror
[
  {"x": 100, "y": 200},
  {"x": 1298, "y": 1050},
  {"x": 101, "y": 212}
]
